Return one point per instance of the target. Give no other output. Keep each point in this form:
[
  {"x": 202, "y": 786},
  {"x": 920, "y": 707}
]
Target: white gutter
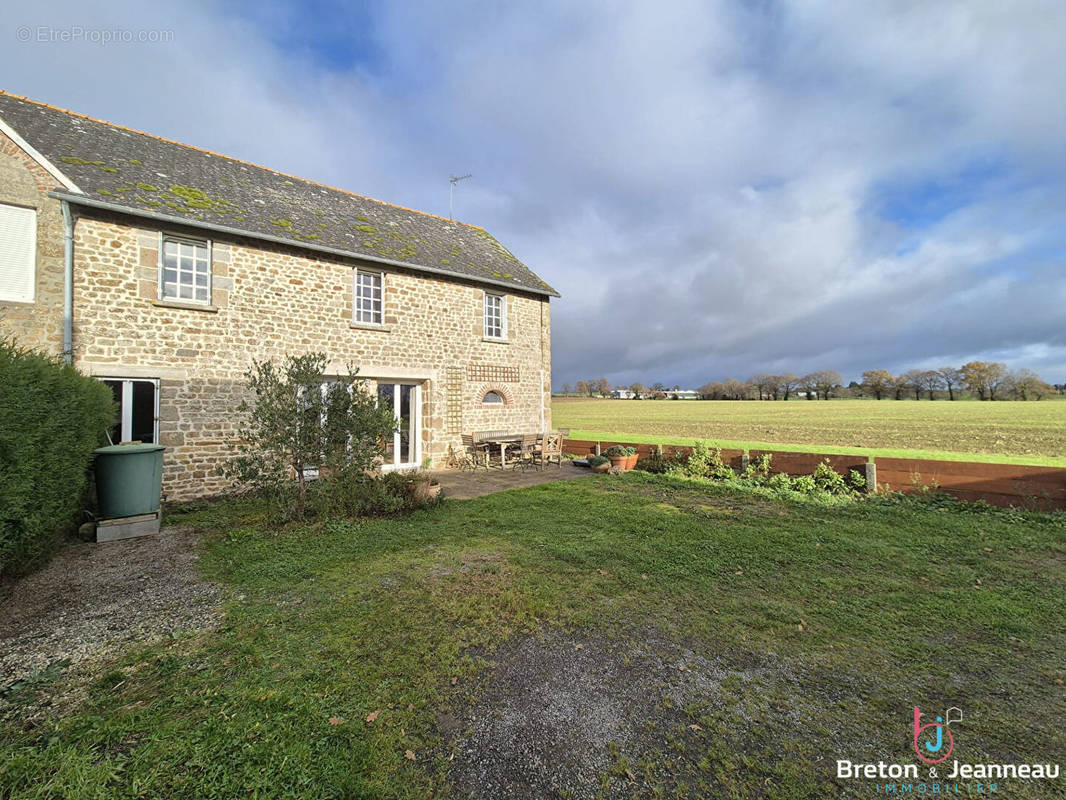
[
  {"x": 266, "y": 237},
  {"x": 68, "y": 283}
]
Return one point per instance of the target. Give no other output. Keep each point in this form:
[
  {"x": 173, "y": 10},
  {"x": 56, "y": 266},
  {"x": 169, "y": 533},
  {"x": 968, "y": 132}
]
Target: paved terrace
[{"x": 464, "y": 485}]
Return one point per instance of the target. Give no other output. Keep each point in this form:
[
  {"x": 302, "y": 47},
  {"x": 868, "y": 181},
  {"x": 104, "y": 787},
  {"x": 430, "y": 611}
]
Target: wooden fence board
[{"x": 805, "y": 463}]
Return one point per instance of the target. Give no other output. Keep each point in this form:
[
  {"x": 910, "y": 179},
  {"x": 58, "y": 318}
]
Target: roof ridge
[{"x": 232, "y": 158}]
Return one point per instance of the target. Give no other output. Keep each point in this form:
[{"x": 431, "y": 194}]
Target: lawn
[
  {"x": 617, "y": 636},
  {"x": 1005, "y": 432}
]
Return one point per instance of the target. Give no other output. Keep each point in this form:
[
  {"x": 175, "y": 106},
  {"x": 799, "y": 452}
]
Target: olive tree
[{"x": 297, "y": 422}]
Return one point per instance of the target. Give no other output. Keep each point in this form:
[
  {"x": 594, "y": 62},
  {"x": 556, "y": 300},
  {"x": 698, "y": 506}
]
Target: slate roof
[{"x": 145, "y": 173}]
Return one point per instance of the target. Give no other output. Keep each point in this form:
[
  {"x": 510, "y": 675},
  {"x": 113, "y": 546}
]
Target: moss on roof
[{"x": 129, "y": 168}]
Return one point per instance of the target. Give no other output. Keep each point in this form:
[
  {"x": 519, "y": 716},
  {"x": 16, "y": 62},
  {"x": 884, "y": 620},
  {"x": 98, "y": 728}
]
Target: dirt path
[{"x": 94, "y": 598}]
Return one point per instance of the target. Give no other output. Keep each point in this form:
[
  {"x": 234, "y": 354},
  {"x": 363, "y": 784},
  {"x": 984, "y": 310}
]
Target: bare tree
[
  {"x": 900, "y": 385},
  {"x": 603, "y": 387},
  {"x": 713, "y": 390},
  {"x": 764, "y": 384},
  {"x": 737, "y": 390},
  {"x": 878, "y": 382},
  {"x": 913, "y": 380},
  {"x": 1025, "y": 384},
  {"x": 566, "y": 388},
  {"x": 984, "y": 377},
  {"x": 826, "y": 382},
  {"x": 951, "y": 377},
  {"x": 583, "y": 388},
  {"x": 931, "y": 381},
  {"x": 787, "y": 383},
  {"x": 637, "y": 389}
]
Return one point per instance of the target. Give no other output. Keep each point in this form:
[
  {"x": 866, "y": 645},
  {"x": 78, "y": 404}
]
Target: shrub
[
  {"x": 757, "y": 471},
  {"x": 700, "y": 461},
  {"x": 829, "y": 480},
  {"x": 857, "y": 479},
  {"x": 659, "y": 464},
  {"x": 780, "y": 483},
  {"x": 619, "y": 451},
  {"x": 302, "y": 424},
  {"x": 351, "y": 494},
  {"x": 595, "y": 461},
  {"x": 54, "y": 417}
]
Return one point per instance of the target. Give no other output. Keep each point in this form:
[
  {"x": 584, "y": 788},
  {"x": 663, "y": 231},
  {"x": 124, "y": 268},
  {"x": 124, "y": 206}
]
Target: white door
[{"x": 405, "y": 401}]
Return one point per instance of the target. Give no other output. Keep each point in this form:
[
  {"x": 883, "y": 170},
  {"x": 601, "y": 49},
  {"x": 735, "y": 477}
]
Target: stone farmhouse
[{"x": 164, "y": 270}]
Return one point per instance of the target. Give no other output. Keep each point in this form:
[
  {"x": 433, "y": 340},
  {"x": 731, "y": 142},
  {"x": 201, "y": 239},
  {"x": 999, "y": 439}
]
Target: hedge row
[{"x": 51, "y": 419}]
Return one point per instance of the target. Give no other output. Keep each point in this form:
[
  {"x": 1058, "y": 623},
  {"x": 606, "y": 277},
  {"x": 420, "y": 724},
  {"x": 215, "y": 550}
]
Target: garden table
[{"x": 502, "y": 439}]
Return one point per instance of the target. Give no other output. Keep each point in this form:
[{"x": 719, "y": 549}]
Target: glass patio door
[{"x": 404, "y": 400}]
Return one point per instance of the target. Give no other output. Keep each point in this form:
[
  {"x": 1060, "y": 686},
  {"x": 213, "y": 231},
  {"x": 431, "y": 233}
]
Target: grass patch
[{"x": 824, "y": 624}]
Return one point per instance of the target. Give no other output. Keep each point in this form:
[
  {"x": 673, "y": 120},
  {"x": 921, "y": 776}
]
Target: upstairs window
[
  {"x": 18, "y": 253},
  {"x": 495, "y": 316},
  {"x": 186, "y": 271},
  {"x": 369, "y": 294}
]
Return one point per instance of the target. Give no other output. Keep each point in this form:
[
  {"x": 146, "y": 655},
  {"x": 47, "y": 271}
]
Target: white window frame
[
  {"x": 357, "y": 309},
  {"x": 126, "y": 419},
  {"x": 502, "y": 335},
  {"x": 416, "y": 425},
  {"x": 31, "y": 295},
  {"x": 206, "y": 243}
]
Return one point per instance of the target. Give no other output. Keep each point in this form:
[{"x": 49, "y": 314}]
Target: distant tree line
[{"x": 985, "y": 380}]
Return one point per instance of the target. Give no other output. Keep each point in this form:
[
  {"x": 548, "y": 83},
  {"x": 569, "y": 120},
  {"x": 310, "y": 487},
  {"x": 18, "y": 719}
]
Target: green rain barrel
[{"x": 129, "y": 479}]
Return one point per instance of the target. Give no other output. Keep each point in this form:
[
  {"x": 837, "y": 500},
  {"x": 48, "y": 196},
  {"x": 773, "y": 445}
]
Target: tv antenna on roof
[{"x": 452, "y": 180}]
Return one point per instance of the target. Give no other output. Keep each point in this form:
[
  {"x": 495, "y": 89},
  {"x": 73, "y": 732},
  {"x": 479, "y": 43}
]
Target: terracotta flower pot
[
  {"x": 631, "y": 461},
  {"x": 619, "y": 461},
  {"x": 422, "y": 491},
  {"x": 601, "y": 467}
]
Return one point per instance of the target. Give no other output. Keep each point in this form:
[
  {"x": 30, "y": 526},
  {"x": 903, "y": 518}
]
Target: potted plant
[
  {"x": 423, "y": 488},
  {"x": 622, "y": 457},
  {"x": 599, "y": 463}
]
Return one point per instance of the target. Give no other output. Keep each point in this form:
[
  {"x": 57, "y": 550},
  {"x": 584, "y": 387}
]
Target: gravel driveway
[{"x": 93, "y": 599}]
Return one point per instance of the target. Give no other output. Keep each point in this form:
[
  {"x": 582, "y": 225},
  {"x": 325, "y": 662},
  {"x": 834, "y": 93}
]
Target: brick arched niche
[{"x": 486, "y": 390}]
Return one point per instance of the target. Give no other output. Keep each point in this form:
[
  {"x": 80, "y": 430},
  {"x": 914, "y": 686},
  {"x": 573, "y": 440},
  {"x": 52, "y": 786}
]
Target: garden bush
[
  {"x": 705, "y": 463},
  {"x": 353, "y": 494},
  {"x": 53, "y": 418},
  {"x": 310, "y": 443}
]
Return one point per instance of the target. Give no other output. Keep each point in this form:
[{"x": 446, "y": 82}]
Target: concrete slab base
[{"x": 110, "y": 530}]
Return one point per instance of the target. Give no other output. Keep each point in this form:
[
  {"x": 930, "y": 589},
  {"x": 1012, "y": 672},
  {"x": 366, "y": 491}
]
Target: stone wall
[
  {"x": 24, "y": 182},
  {"x": 271, "y": 301}
]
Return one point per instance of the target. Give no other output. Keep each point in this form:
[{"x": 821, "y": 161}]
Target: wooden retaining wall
[{"x": 998, "y": 484}]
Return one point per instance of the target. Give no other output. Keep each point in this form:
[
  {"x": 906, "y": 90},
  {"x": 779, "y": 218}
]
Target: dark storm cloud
[{"x": 717, "y": 189}]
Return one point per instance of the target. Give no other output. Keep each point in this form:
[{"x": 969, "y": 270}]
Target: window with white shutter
[{"x": 18, "y": 253}]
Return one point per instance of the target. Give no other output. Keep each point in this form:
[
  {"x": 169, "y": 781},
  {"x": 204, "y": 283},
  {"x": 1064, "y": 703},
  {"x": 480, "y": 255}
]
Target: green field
[{"x": 1007, "y": 432}]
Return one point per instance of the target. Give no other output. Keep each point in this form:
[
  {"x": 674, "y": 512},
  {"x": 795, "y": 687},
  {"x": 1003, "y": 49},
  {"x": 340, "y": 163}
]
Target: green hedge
[{"x": 51, "y": 419}]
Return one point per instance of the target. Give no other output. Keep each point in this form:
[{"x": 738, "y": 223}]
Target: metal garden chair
[
  {"x": 526, "y": 456},
  {"x": 474, "y": 454}
]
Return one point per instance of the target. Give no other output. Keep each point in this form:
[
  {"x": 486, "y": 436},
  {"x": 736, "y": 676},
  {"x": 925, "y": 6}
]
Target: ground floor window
[
  {"x": 138, "y": 403},
  {"x": 405, "y": 402}
]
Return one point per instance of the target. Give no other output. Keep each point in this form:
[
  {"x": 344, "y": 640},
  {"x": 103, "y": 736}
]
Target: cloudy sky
[{"x": 716, "y": 188}]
